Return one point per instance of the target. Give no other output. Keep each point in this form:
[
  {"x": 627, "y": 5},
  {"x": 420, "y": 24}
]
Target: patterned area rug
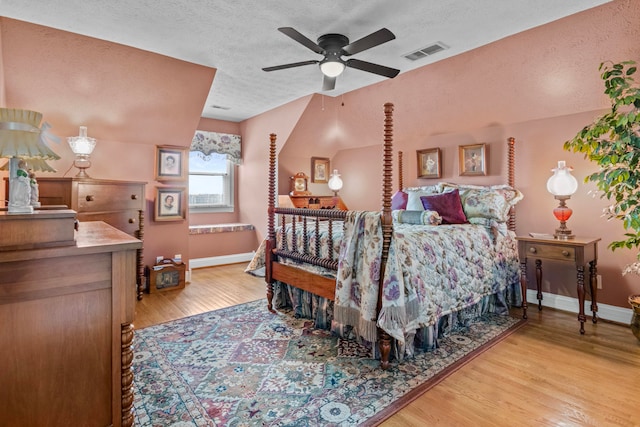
[{"x": 244, "y": 366}]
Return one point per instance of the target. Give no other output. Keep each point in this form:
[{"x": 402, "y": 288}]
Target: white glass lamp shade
[
  {"x": 82, "y": 144},
  {"x": 331, "y": 68},
  {"x": 562, "y": 183},
  {"x": 335, "y": 183}
]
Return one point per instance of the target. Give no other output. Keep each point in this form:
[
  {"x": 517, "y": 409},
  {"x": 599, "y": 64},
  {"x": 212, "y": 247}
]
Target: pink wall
[
  {"x": 541, "y": 87},
  {"x": 3, "y": 99},
  {"x": 129, "y": 99}
]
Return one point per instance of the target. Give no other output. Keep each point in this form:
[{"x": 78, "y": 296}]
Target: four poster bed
[{"x": 434, "y": 258}]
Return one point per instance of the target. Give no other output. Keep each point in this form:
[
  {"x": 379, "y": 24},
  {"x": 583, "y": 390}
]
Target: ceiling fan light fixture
[{"x": 332, "y": 68}]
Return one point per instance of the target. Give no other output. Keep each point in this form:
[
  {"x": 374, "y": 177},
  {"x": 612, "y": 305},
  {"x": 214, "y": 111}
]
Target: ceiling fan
[{"x": 334, "y": 47}]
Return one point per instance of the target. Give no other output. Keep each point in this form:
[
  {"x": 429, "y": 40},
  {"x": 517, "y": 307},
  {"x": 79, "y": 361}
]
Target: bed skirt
[{"x": 320, "y": 310}]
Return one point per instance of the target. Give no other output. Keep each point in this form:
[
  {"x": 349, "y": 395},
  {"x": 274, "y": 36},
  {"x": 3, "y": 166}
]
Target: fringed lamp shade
[
  {"x": 22, "y": 139},
  {"x": 37, "y": 165}
]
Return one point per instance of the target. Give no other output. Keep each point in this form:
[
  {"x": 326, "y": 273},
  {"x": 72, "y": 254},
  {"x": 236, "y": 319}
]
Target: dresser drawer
[
  {"x": 93, "y": 197},
  {"x": 540, "y": 250},
  {"x": 127, "y": 221}
]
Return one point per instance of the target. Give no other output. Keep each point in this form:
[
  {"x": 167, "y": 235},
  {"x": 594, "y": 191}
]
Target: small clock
[{"x": 299, "y": 184}]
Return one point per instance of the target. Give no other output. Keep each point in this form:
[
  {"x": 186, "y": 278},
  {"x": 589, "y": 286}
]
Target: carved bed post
[
  {"x": 400, "y": 177},
  {"x": 511, "y": 180},
  {"x": 384, "y": 341},
  {"x": 271, "y": 234}
]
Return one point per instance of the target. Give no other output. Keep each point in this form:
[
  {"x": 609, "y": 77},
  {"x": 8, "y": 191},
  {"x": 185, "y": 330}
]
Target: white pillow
[{"x": 413, "y": 196}]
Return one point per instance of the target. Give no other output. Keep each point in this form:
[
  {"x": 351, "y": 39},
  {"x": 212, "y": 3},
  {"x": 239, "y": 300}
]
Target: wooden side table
[{"x": 578, "y": 251}]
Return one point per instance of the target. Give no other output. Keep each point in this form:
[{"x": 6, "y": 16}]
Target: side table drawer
[{"x": 562, "y": 253}]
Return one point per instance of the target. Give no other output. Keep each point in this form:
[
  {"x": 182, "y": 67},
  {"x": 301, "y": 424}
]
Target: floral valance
[{"x": 221, "y": 143}]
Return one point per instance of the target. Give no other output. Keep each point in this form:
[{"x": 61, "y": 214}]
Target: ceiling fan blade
[
  {"x": 367, "y": 42},
  {"x": 294, "y": 64},
  {"x": 303, "y": 40},
  {"x": 328, "y": 83},
  {"x": 372, "y": 68}
]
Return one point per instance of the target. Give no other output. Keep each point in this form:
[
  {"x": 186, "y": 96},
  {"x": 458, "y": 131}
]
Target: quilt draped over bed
[{"x": 358, "y": 275}]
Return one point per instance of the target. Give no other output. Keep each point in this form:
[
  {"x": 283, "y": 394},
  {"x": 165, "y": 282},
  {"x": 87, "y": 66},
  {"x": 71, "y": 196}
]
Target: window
[{"x": 210, "y": 182}]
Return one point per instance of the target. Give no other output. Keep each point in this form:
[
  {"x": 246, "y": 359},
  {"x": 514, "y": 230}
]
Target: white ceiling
[{"x": 239, "y": 37}]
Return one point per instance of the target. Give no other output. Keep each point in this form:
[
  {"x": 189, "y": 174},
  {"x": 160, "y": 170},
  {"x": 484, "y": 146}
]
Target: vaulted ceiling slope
[
  {"x": 239, "y": 38},
  {"x": 119, "y": 92}
]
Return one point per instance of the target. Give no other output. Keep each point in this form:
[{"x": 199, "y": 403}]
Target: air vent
[
  {"x": 220, "y": 107},
  {"x": 426, "y": 51}
]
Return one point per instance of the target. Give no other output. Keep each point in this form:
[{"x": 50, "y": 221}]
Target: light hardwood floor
[{"x": 544, "y": 374}]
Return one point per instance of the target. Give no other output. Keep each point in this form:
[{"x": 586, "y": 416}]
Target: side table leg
[
  {"x": 523, "y": 287},
  {"x": 581, "y": 316},
  {"x": 593, "y": 284},
  {"x": 539, "y": 283}
]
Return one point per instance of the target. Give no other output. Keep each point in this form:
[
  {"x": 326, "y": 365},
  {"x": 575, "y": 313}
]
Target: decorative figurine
[{"x": 35, "y": 191}]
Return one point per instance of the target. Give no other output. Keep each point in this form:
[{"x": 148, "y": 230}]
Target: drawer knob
[
  {"x": 90, "y": 198},
  {"x": 533, "y": 250},
  {"x": 565, "y": 252},
  {"x": 134, "y": 197},
  {"x": 132, "y": 220}
]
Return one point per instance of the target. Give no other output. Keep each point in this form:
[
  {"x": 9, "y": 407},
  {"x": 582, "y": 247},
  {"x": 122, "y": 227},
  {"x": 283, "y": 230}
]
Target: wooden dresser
[
  {"x": 312, "y": 202},
  {"x": 66, "y": 314},
  {"x": 118, "y": 203}
]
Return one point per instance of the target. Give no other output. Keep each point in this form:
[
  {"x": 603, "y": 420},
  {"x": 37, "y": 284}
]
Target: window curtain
[{"x": 221, "y": 143}]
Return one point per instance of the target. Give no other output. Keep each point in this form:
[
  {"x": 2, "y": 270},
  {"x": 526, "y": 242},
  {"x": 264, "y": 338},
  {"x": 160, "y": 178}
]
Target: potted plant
[{"x": 612, "y": 141}]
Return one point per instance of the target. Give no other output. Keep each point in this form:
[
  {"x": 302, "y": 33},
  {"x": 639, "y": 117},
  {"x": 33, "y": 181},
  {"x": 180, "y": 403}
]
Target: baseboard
[
  {"x": 605, "y": 311},
  {"x": 220, "y": 260}
]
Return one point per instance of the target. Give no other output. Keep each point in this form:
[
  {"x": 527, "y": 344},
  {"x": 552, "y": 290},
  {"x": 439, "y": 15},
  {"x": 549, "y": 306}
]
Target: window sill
[
  {"x": 211, "y": 209},
  {"x": 219, "y": 228}
]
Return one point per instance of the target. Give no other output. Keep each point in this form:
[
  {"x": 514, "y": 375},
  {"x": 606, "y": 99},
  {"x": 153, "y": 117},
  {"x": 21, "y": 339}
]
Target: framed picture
[
  {"x": 473, "y": 159},
  {"x": 429, "y": 162},
  {"x": 169, "y": 204},
  {"x": 320, "y": 170},
  {"x": 171, "y": 163}
]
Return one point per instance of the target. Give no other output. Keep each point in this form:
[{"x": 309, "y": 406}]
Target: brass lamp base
[{"x": 563, "y": 234}]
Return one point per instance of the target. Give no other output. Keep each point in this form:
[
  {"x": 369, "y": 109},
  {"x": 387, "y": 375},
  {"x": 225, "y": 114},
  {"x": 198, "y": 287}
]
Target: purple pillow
[
  {"x": 399, "y": 200},
  {"x": 448, "y": 205}
]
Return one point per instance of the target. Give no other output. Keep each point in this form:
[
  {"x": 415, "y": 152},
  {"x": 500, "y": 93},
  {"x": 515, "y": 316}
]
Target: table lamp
[
  {"x": 335, "y": 183},
  {"x": 82, "y": 146},
  {"x": 562, "y": 185},
  {"x": 22, "y": 139}
]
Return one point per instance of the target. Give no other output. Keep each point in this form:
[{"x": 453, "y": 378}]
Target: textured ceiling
[{"x": 239, "y": 38}]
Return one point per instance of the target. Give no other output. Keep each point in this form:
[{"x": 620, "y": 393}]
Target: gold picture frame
[
  {"x": 320, "y": 170},
  {"x": 429, "y": 163},
  {"x": 169, "y": 204},
  {"x": 473, "y": 159},
  {"x": 171, "y": 163}
]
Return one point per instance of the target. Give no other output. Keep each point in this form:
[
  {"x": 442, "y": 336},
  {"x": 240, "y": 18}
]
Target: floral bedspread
[
  {"x": 431, "y": 271},
  {"x": 436, "y": 270}
]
